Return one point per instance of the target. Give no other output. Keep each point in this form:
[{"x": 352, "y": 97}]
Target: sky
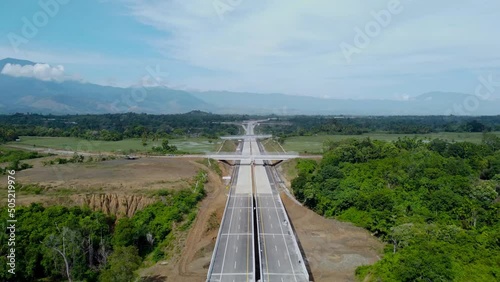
[{"x": 350, "y": 49}]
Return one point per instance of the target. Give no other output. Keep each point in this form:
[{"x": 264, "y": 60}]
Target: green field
[
  {"x": 314, "y": 144},
  {"x": 191, "y": 145},
  {"x": 302, "y": 144}
]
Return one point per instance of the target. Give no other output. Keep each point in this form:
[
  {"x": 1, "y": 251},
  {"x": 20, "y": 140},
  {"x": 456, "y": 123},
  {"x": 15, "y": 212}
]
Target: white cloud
[
  {"x": 292, "y": 46},
  {"x": 43, "y": 72}
]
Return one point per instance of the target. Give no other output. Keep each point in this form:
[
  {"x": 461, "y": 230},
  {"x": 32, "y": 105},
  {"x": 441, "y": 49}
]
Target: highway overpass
[
  {"x": 256, "y": 241},
  {"x": 252, "y": 158}
]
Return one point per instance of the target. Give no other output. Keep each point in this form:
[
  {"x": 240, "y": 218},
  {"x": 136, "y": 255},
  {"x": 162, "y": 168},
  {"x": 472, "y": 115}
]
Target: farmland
[{"x": 126, "y": 146}]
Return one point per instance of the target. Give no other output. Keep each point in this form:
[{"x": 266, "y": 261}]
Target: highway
[
  {"x": 278, "y": 256},
  {"x": 234, "y": 256}
]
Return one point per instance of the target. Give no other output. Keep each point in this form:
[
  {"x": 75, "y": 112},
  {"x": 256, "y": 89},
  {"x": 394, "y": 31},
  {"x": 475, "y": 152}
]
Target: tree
[
  {"x": 66, "y": 244},
  {"x": 164, "y": 145},
  {"x": 475, "y": 126},
  {"x": 122, "y": 264},
  {"x": 125, "y": 234},
  {"x": 492, "y": 141}
]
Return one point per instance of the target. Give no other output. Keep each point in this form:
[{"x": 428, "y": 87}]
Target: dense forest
[
  {"x": 435, "y": 203},
  {"x": 114, "y": 127},
  {"x": 58, "y": 243},
  {"x": 310, "y": 125}
]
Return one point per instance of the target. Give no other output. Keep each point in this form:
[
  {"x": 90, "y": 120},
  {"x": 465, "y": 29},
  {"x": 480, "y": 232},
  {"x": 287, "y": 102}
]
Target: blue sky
[{"x": 286, "y": 46}]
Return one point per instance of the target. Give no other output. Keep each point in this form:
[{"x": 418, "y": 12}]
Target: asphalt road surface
[
  {"x": 234, "y": 259},
  {"x": 234, "y": 255},
  {"x": 280, "y": 257}
]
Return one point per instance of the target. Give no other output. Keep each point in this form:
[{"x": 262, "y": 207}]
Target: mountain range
[{"x": 27, "y": 94}]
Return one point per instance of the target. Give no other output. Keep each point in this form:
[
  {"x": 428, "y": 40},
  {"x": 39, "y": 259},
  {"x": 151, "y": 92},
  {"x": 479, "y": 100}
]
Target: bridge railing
[{"x": 287, "y": 154}]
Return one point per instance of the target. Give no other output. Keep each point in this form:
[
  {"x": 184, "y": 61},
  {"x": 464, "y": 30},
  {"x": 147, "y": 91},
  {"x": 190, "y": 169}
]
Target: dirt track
[{"x": 333, "y": 249}]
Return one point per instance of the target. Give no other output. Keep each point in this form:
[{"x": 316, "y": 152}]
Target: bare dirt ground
[
  {"x": 118, "y": 175},
  {"x": 196, "y": 247},
  {"x": 119, "y": 187},
  {"x": 333, "y": 249}
]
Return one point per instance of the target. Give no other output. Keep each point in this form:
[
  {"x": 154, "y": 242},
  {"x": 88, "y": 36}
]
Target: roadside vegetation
[
  {"x": 14, "y": 157},
  {"x": 76, "y": 158},
  {"x": 58, "y": 243},
  {"x": 435, "y": 203}
]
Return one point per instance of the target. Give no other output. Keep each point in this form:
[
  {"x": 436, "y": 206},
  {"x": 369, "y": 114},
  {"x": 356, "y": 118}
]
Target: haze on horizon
[{"x": 348, "y": 49}]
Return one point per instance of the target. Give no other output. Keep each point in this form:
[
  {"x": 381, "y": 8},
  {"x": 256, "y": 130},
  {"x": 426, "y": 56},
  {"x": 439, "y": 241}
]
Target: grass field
[
  {"x": 191, "y": 145},
  {"x": 314, "y": 144},
  {"x": 301, "y": 144}
]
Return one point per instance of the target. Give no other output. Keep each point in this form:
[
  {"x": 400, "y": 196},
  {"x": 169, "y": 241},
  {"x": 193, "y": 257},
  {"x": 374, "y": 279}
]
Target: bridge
[
  {"x": 245, "y": 137},
  {"x": 252, "y": 158},
  {"x": 256, "y": 241}
]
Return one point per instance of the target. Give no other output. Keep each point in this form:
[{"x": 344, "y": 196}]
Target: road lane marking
[
  {"x": 286, "y": 247},
  {"x": 227, "y": 241},
  {"x": 264, "y": 239},
  {"x": 248, "y": 238}
]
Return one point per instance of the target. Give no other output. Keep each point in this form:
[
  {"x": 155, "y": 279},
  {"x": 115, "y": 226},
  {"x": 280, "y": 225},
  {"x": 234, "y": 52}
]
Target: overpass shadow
[{"x": 306, "y": 259}]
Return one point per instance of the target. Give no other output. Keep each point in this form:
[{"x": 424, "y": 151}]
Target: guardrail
[
  {"x": 212, "y": 260},
  {"x": 296, "y": 245},
  {"x": 274, "y": 175},
  {"x": 289, "y": 226}
]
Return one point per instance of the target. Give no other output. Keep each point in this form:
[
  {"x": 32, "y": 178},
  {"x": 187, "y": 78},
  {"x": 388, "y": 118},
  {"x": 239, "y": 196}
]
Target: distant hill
[
  {"x": 14, "y": 62},
  {"x": 36, "y": 96},
  {"x": 433, "y": 103},
  {"x": 21, "y": 94}
]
